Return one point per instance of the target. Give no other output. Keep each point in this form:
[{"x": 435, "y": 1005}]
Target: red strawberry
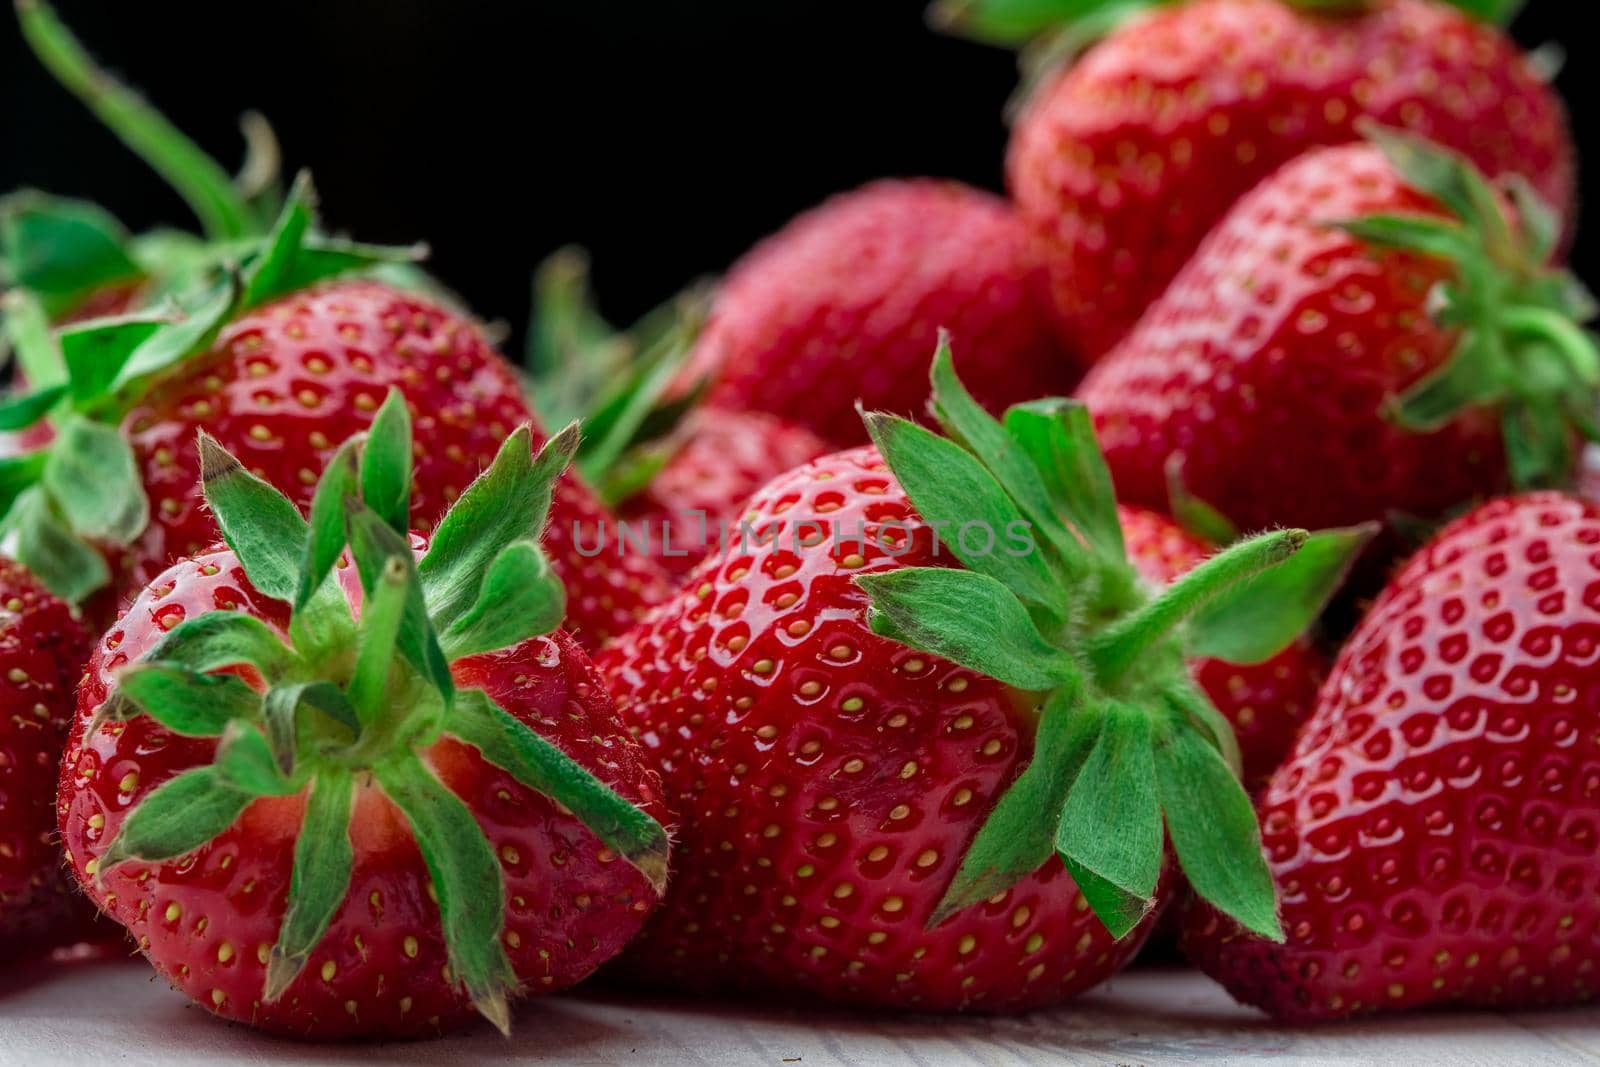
[
  {"x": 368, "y": 827},
  {"x": 1126, "y": 160},
  {"x": 42, "y": 652},
  {"x": 1309, "y": 367},
  {"x": 717, "y": 459},
  {"x": 1432, "y": 834},
  {"x": 867, "y": 811},
  {"x": 844, "y": 304},
  {"x": 1265, "y": 703},
  {"x": 283, "y": 386}
]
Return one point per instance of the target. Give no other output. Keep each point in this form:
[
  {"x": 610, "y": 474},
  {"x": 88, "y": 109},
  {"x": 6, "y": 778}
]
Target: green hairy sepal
[
  {"x": 348, "y": 700},
  {"x": 82, "y": 492},
  {"x": 1523, "y": 350},
  {"x": 619, "y": 383},
  {"x": 1128, "y": 752}
]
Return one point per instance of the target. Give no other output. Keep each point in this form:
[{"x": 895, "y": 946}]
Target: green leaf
[
  {"x": 1018, "y": 837},
  {"x": 1059, "y": 437},
  {"x": 509, "y": 502},
  {"x": 466, "y": 878},
  {"x": 321, "y": 258},
  {"x": 384, "y": 556},
  {"x": 522, "y": 753},
  {"x": 1200, "y": 518},
  {"x": 204, "y": 185},
  {"x": 1540, "y": 223},
  {"x": 219, "y": 639},
  {"x": 970, "y": 619},
  {"x": 1449, "y": 178},
  {"x": 1110, "y": 831},
  {"x": 1538, "y": 446},
  {"x": 18, "y": 412},
  {"x": 93, "y": 477},
  {"x": 175, "y": 342},
  {"x": 245, "y": 760},
  {"x": 95, "y": 352},
  {"x": 1010, "y": 22},
  {"x": 320, "y": 878},
  {"x": 1498, "y": 12},
  {"x": 281, "y": 716},
  {"x": 964, "y": 420},
  {"x": 1255, "y": 620},
  {"x": 27, "y": 330},
  {"x": 186, "y": 701},
  {"x": 1213, "y": 829},
  {"x": 265, "y": 278},
  {"x": 259, "y": 523},
  {"x": 1427, "y": 235},
  {"x": 62, "y": 250},
  {"x": 953, "y": 491},
  {"x": 17, "y": 475},
  {"x": 521, "y": 597},
  {"x": 386, "y": 464},
  {"x": 1117, "y": 648},
  {"x": 46, "y": 545},
  {"x": 325, "y": 532},
  {"x": 1472, "y": 377},
  {"x": 178, "y": 817}
]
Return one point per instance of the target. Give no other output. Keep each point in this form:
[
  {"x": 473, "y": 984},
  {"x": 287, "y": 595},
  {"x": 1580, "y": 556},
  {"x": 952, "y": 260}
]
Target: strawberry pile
[{"x": 1198, "y": 543}]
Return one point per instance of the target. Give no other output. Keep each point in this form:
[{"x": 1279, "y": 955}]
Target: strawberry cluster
[{"x": 912, "y": 690}]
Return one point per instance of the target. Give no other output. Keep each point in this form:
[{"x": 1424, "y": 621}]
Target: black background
[{"x": 664, "y": 135}]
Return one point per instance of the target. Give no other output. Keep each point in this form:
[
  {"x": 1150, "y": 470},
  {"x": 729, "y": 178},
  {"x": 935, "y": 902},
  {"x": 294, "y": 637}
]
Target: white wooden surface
[{"x": 100, "y": 1015}]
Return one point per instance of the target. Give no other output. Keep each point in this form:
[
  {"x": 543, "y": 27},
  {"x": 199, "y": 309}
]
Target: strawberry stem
[
  {"x": 1121, "y": 645},
  {"x": 202, "y": 183}
]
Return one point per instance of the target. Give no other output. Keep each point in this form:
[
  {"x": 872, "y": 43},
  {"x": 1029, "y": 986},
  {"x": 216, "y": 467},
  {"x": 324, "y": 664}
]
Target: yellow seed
[
  {"x": 174, "y": 911},
  {"x": 893, "y": 904},
  {"x": 329, "y": 969},
  {"x": 224, "y": 952},
  {"x": 218, "y": 996},
  {"x": 410, "y": 946}
]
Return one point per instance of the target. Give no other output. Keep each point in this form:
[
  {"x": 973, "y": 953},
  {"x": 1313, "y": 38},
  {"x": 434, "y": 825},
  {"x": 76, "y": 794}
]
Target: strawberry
[
  {"x": 1127, "y": 159},
  {"x": 1265, "y": 703},
  {"x": 1431, "y": 834},
  {"x": 280, "y": 356},
  {"x": 844, "y": 304},
  {"x": 339, "y": 801},
  {"x": 1366, "y": 333},
  {"x": 42, "y": 651},
  {"x": 716, "y": 460},
  {"x": 894, "y": 758}
]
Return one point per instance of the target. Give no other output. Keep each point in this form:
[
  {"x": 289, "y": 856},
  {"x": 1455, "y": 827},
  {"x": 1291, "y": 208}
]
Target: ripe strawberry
[
  {"x": 1432, "y": 833},
  {"x": 845, "y": 303},
  {"x": 42, "y": 652},
  {"x": 1265, "y": 703},
  {"x": 1365, "y": 333},
  {"x": 333, "y": 826},
  {"x": 715, "y": 461},
  {"x": 874, "y": 753},
  {"x": 1130, "y": 156}
]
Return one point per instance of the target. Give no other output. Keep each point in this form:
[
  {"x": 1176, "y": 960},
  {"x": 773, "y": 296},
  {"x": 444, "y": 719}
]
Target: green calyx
[
  {"x": 617, "y": 382},
  {"x": 1036, "y": 22},
  {"x": 1128, "y": 751},
  {"x": 355, "y": 702},
  {"x": 1523, "y": 350}
]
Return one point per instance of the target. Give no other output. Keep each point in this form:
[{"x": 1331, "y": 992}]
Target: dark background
[{"x": 664, "y": 135}]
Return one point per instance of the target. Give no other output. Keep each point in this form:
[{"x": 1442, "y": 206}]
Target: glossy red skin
[
  {"x": 285, "y": 385},
  {"x": 725, "y": 457},
  {"x": 1267, "y": 366},
  {"x": 816, "y": 834},
  {"x": 1266, "y": 703},
  {"x": 1128, "y": 159},
  {"x": 42, "y": 652},
  {"x": 571, "y": 903},
  {"x": 1433, "y": 834},
  {"x": 846, "y": 302}
]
